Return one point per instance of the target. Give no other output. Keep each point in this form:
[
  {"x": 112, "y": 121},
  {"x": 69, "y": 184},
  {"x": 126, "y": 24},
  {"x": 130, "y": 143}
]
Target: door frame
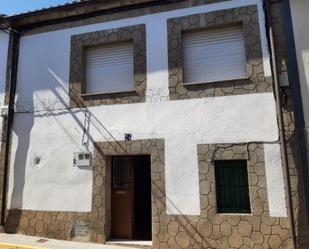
[
  {"x": 101, "y": 209},
  {"x": 133, "y": 166}
]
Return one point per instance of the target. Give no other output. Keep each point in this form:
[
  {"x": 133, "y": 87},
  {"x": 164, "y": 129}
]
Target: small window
[
  {"x": 214, "y": 55},
  {"x": 120, "y": 172},
  {"x": 232, "y": 186},
  {"x": 110, "y": 69}
]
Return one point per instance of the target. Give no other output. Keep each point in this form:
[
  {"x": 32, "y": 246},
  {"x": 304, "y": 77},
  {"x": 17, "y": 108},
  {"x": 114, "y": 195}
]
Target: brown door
[{"x": 122, "y": 197}]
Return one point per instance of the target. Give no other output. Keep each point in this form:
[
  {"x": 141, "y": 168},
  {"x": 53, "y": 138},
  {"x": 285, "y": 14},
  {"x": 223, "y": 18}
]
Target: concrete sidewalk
[{"x": 54, "y": 244}]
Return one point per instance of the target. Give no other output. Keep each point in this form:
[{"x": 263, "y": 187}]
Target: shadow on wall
[
  {"x": 184, "y": 222},
  {"x": 13, "y": 219},
  {"x": 19, "y": 170},
  {"x": 14, "y": 214}
]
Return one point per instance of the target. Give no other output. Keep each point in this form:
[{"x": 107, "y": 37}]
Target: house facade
[{"x": 150, "y": 120}]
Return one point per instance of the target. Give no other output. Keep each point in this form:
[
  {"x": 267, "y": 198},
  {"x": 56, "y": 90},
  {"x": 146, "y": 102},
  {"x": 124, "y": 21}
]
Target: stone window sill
[
  {"x": 235, "y": 214},
  {"x": 214, "y": 82},
  {"x": 107, "y": 94}
]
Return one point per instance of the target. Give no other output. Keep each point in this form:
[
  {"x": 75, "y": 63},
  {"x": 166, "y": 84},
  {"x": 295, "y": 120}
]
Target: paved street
[{"x": 54, "y": 244}]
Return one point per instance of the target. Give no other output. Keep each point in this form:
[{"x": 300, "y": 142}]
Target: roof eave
[{"x": 73, "y": 10}]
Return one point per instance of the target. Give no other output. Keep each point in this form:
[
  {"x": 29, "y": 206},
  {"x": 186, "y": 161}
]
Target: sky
[{"x": 11, "y": 7}]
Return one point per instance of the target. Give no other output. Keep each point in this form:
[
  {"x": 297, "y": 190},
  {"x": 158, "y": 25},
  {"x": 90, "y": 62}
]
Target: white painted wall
[
  {"x": 55, "y": 135},
  {"x": 44, "y": 126},
  {"x": 274, "y": 179},
  {"x": 4, "y": 44},
  {"x": 300, "y": 19}
]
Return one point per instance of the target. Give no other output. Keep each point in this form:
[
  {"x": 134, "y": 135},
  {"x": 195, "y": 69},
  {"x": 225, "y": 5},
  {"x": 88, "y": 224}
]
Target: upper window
[
  {"x": 214, "y": 55},
  {"x": 232, "y": 189},
  {"x": 110, "y": 69}
]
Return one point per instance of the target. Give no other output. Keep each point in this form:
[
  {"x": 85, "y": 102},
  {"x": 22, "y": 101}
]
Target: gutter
[
  {"x": 285, "y": 162},
  {"x": 8, "y": 121}
]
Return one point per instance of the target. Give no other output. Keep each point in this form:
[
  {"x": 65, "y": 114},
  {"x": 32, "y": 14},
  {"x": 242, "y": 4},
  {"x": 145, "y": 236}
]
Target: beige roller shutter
[
  {"x": 110, "y": 69},
  {"x": 214, "y": 55}
]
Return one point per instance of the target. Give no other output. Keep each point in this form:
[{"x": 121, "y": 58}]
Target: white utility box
[{"x": 82, "y": 159}]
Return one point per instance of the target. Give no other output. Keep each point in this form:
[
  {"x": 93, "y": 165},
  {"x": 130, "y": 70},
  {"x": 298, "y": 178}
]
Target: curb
[{"x": 17, "y": 246}]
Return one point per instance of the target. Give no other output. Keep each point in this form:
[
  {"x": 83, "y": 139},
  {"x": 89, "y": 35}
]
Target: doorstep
[{"x": 135, "y": 243}]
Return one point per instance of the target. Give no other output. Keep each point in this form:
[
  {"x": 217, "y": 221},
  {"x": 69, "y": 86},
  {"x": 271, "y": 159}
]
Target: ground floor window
[{"x": 232, "y": 189}]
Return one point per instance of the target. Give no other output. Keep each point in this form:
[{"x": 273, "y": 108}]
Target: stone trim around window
[
  {"x": 239, "y": 230},
  {"x": 252, "y": 153},
  {"x": 254, "y": 83},
  {"x": 79, "y": 43}
]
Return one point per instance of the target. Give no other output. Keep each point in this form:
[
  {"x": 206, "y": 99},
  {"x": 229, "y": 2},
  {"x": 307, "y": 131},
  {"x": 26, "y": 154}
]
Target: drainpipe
[
  {"x": 285, "y": 162},
  {"x": 8, "y": 121}
]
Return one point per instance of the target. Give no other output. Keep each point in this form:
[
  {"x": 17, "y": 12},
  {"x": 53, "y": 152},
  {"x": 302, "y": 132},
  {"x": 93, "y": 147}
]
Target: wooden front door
[
  {"x": 122, "y": 197},
  {"x": 131, "y": 198}
]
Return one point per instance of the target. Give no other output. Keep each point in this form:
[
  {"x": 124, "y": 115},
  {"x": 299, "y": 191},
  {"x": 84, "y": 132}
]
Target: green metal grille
[{"x": 232, "y": 186}]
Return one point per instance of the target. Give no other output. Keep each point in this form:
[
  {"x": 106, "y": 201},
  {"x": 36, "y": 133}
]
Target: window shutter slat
[
  {"x": 214, "y": 55},
  {"x": 110, "y": 69}
]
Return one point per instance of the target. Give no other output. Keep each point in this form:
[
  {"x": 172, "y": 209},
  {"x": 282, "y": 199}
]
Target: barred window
[{"x": 120, "y": 173}]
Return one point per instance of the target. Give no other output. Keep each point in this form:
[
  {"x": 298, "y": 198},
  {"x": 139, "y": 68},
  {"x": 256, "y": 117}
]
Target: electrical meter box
[{"x": 82, "y": 159}]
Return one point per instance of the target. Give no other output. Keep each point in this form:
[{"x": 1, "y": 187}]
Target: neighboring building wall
[
  {"x": 49, "y": 197},
  {"x": 299, "y": 11},
  {"x": 297, "y": 187},
  {"x": 300, "y": 19}
]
